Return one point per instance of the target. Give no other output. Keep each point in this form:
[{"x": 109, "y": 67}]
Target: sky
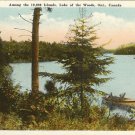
[{"x": 117, "y": 24}]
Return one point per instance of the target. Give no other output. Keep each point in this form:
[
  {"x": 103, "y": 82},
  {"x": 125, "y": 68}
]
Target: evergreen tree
[
  {"x": 8, "y": 93},
  {"x": 84, "y": 62}
]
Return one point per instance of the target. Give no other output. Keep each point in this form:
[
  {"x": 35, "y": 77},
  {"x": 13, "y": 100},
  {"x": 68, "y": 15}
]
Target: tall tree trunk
[{"x": 35, "y": 50}]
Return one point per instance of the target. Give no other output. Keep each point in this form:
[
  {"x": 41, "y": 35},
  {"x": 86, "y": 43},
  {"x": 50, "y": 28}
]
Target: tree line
[
  {"x": 128, "y": 49},
  {"x": 21, "y": 51}
]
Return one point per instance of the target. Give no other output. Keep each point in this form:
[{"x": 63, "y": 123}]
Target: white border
[
  {"x": 69, "y": 3},
  {"x": 66, "y": 132},
  {"x": 126, "y": 4}
]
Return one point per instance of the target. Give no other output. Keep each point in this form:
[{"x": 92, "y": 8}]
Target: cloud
[
  {"x": 18, "y": 18},
  {"x": 52, "y": 29},
  {"x": 119, "y": 30}
]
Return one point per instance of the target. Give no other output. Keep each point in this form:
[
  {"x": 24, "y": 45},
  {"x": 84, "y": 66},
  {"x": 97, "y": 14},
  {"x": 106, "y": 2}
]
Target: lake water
[{"x": 123, "y": 74}]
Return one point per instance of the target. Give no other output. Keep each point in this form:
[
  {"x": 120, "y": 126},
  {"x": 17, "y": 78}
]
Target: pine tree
[{"x": 83, "y": 60}]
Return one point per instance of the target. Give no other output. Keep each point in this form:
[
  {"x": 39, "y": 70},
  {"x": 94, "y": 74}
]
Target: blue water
[
  {"x": 22, "y": 73},
  {"x": 123, "y": 74}
]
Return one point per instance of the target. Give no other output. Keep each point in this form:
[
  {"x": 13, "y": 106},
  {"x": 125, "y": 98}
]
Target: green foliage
[
  {"x": 50, "y": 87},
  {"x": 84, "y": 63},
  {"x": 36, "y": 108},
  {"x": 10, "y": 122},
  {"x": 9, "y": 96},
  {"x": 128, "y": 49},
  {"x": 8, "y": 93},
  {"x": 5, "y": 69},
  {"x": 117, "y": 121},
  {"x": 32, "y": 108},
  {"x": 97, "y": 121},
  {"x": 21, "y": 51},
  {"x": 18, "y": 51},
  {"x": 3, "y": 54}
]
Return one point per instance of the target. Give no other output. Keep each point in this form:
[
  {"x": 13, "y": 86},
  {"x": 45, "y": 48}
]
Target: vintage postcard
[{"x": 67, "y": 67}]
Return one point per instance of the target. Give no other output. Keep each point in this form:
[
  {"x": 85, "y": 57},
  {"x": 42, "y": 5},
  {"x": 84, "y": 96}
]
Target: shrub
[
  {"x": 34, "y": 108},
  {"x": 9, "y": 96},
  {"x": 10, "y": 122}
]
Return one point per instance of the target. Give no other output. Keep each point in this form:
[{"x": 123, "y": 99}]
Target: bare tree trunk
[{"x": 35, "y": 50}]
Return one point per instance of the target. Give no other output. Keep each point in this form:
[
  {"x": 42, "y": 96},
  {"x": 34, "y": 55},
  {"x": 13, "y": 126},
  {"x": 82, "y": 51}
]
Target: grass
[{"x": 60, "y": 122}]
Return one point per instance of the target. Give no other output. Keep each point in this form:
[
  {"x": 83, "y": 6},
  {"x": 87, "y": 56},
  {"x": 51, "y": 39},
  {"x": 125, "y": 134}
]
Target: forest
[
  {"x": 21, "y": 51},
  {"x": 128, "y": 49},
  {"x": 72, "y": 107}
]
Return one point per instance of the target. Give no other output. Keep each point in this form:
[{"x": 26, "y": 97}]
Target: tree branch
[
  {"x": 24, "y": 35},
  {"x": 27, "y": 35},
  {"x": 25, "y": 19},
  {"x": 23, "y": 29}
]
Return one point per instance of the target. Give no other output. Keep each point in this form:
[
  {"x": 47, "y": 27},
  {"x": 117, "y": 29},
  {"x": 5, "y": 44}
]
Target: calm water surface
[{"x": 123, "y": 74}]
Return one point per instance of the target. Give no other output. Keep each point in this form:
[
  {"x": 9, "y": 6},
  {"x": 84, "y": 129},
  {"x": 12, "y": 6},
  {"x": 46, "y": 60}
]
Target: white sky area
[{"x": 117, "y": 29}]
